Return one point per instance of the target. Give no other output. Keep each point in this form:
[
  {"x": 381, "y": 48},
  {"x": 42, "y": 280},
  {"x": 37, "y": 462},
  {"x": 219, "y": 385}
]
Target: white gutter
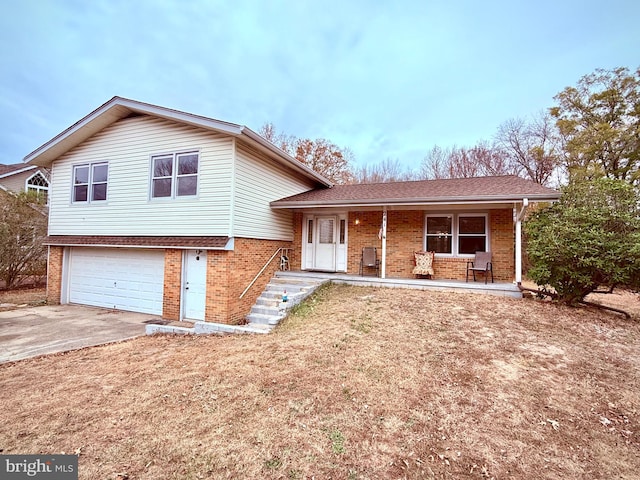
[
  {"x": 409, "y": 202},
  {"x": 519, "y": 217}
]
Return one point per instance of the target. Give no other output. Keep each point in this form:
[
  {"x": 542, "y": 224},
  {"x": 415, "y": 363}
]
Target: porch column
[
  {"x": 519, "y": 217},
  {"x": 383, "y": 233},
  {"x": 518, "y": 251}
]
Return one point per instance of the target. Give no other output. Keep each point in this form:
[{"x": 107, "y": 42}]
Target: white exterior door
[
  {"x": 194, "y": 285},
  {"x": 123, "y": 279},
  {"x": 325, "y": 244}
]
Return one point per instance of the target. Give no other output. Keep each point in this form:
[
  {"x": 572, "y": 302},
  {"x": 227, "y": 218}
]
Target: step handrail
[{"x": 262, "y": 270}]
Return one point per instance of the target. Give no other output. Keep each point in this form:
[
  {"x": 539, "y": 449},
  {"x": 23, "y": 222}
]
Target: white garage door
[{"x": 124, "y": 279}]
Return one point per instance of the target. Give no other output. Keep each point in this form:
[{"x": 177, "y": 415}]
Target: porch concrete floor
[{"x": 499, "y": 288}]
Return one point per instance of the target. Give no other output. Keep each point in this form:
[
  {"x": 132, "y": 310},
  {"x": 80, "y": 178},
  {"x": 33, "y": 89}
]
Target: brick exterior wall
[
  {"x": 295, "y": 257},
  {"x": 230, "y": 272},
  {"x": 405, "y": 232},
  {"x": 54, "y": 275},
  {"x": 172, "y": 284}
]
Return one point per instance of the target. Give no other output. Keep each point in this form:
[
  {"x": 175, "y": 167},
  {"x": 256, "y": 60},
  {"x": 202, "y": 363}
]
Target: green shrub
[{"x": 589, "y": 239}]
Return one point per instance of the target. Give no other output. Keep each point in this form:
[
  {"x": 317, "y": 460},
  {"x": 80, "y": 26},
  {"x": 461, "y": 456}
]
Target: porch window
[
  {"x": 457, "y": 234},
  {"x": 472, "y": 234},
  {"x": 439, "y": 234}
]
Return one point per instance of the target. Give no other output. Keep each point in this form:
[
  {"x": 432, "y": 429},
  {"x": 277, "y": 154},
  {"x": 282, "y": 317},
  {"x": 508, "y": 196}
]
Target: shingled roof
[
  {"x": 507, "y": 188},
  {"x": 5, "y": 170},
  {"x": 213, "y": 243}
]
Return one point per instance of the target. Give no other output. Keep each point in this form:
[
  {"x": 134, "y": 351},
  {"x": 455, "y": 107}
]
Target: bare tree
[
  {"x": 462, "y": 162},
  {"x": 534, "y": 146},
  {"x": 435, "y": 164},
  {"x": 284, "y": 142},
  {"x": 386, "y": 171},
  {"x": 22, "y": 230}
]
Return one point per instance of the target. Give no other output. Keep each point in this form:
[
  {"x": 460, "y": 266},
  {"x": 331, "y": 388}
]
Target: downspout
[
  {"x": 519, "y": 217},
  {"x": 383, "y": 229}
]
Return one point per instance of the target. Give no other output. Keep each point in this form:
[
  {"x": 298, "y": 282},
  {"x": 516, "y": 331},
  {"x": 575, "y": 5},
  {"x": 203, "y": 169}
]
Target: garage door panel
[{"x": 117, "y": 278}]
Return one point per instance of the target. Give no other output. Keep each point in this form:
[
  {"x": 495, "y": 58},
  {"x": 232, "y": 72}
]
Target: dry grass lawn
[
  {"x": 22, "y": 296},
  {"x": 359, "y": 383}
]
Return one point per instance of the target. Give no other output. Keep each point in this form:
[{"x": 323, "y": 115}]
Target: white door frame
[
  {"x": 324, "y": 253},
  {"x": 310, "y": 240},
  {"x": 193, "y": 279}
]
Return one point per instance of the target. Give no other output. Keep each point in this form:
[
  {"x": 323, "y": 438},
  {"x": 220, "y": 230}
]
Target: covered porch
[
  {"x": 505, "y": 289},
  {"x": 454, "y": 218}
]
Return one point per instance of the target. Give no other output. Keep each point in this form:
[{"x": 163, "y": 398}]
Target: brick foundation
[
  {"x": 172, "y": 284},
  {"x": 54, "y": 275},
  {"x": 230, "y": 272}
]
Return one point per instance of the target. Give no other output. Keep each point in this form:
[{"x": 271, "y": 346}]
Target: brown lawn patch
[
  {"x": 359, "y": 383},
  {"x": 22, "y": 296}
]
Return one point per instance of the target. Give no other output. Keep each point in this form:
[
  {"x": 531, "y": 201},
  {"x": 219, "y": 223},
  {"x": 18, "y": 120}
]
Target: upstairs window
[
  {"x": 90, "y": 182},
  {"x": 174, "y": 175}
]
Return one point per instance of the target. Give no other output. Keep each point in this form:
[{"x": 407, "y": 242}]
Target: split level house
[{"x": 160, "y": 211}]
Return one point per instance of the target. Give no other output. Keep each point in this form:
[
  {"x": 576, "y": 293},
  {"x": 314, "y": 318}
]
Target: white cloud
[{"x": 388, "y": 80}]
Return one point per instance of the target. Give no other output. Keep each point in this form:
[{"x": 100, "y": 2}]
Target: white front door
[
  {"x": 194, "y": 284},
  {"x": 325, "y": 244}
]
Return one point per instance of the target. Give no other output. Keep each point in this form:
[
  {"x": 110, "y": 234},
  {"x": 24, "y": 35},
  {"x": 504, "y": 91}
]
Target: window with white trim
[
  {"x": 90, "y": 182},
  {"x": 472, "y": 234},
  {"x": 174, "y": 175},
  {"x": 440, "y": 234},
  {"x": 459, "y": 234},
  {"x": 38, "y": 184}
]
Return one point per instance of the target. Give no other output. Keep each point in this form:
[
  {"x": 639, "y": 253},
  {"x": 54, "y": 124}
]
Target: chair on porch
[
  {"x": 424, "y": 263},
  {"x": 481, "y": 264},
  {"x": 369, "y": 259}
]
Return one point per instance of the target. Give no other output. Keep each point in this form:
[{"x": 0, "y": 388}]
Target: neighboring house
[
  {"x": 20, "y": 177},
  {"x": 164, "y": 212}
]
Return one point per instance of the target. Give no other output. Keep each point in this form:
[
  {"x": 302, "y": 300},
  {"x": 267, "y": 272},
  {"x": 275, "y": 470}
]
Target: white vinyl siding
[
  {"x": 17, "y": 182},
  {"x": 128, "y": 146},
  {"x": 260, "y": 181}
]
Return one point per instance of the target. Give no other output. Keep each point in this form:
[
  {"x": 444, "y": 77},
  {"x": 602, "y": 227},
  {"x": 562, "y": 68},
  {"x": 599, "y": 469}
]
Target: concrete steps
[{"x": 270, "y": 308}]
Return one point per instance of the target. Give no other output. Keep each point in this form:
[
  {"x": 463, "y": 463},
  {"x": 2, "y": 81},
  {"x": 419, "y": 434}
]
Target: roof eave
[
  {"x": 118, "y": 108},
  {"x": 110, "y": 112},
  {"x": 417, "y": 202}
]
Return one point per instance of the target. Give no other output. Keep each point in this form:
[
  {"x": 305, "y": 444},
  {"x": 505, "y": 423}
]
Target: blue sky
[{"x": 386, "y": 79}]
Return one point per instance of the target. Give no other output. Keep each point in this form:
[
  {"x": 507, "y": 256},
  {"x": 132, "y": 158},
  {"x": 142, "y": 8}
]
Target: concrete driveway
[{"x": 29, "y": 332}]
